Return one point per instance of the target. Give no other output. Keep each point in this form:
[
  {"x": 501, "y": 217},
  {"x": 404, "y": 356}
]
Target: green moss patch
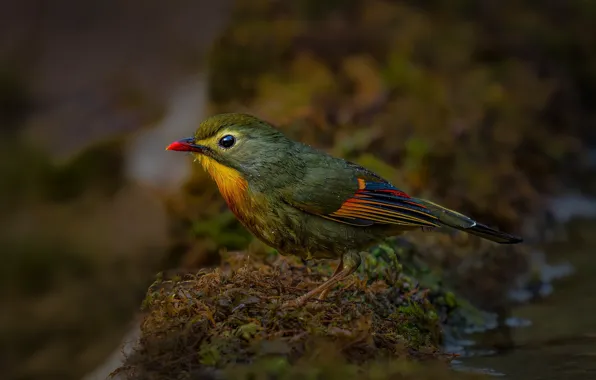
[{"x": 222, "y": 318}]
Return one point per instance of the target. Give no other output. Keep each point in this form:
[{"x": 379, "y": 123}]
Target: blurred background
[{"x": 486, "y": 106}]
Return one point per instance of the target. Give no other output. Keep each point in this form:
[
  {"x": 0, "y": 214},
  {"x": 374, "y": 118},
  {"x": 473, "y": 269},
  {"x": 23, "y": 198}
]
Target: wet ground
[{"x": 560, "y": 342}]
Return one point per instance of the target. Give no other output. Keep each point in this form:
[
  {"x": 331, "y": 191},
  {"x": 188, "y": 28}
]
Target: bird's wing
[
  {"x": 356, "y": 196},
  {"x": 347, "y": 193},
  {"x": 381, "y": 203}
]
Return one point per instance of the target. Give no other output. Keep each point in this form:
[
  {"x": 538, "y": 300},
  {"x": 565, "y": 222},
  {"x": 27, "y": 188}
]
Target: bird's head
[{"x": 235, "y": 142}]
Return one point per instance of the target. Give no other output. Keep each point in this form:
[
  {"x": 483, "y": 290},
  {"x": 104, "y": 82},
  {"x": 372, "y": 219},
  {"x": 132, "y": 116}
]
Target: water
[{"x": 560, "y": 342}]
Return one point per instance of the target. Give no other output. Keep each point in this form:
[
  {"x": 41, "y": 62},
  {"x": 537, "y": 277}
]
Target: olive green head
[{"x": 238, "y": 141}]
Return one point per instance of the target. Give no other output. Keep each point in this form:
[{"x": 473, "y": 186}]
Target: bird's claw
[
  {"x": 295, "y": 303},
  {"x": 323, "y": 295}
]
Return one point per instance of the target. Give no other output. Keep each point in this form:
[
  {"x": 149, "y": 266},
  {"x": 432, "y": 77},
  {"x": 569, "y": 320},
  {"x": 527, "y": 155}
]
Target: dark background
[{"x": 484, "y": 106}]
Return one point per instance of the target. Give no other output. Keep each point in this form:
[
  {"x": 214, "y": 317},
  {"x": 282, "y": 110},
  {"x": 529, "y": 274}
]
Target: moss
[
  {"x": 399, "y": 258},
  {"x": 231, "y": 315}
]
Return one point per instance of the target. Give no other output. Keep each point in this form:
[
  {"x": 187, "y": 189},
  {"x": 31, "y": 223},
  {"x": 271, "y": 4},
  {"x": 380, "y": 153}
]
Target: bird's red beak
[{"x": 186, "y": 145}]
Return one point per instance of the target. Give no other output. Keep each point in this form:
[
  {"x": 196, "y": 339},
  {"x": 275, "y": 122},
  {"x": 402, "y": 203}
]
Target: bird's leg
[
  {"x": 340, "y": 266},
  {"x": 351, "y": 262}
]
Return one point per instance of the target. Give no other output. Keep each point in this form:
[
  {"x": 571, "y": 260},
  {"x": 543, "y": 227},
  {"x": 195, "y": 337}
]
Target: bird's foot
[
  {"x": 348, "y": 265},
  {"x": 303, "y": 299},
  {"x": 295, "y": 303},
  {"x": 324, "y": 294},
  {"x": 282, "y": 261}
]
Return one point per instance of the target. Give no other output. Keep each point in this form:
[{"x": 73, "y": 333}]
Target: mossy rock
[{"x": 222, "y": 318}]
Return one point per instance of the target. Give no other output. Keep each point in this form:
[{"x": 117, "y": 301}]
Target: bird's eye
[{"x": 227, "y": 141}]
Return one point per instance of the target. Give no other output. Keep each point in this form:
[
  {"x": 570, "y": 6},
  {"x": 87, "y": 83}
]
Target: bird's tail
[
  {"x": 461, "y": 222},
  {"x": 491, "y": 234}
]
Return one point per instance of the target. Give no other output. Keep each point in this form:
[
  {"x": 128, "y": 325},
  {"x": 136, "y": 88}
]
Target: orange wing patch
[
  {"x": 381, "y": 203},
  {"x": 361, "y": 184}
]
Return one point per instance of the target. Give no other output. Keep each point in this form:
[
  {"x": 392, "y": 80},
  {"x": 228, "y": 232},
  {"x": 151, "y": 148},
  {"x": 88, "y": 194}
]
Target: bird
[{"x": 304, "y": 202}]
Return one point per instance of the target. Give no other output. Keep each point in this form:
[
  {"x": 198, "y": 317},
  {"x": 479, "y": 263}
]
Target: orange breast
[{"x": 230, "y": 182}]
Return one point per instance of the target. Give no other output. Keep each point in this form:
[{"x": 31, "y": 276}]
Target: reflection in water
[
  {"x": 561, "y": 341},
  {"x": 571, "y": 359}
]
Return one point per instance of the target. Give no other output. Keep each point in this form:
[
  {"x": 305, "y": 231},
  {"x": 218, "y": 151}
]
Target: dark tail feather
[
  {"x": 461, "y": 222},
  {"x": 492, "y": 234}
]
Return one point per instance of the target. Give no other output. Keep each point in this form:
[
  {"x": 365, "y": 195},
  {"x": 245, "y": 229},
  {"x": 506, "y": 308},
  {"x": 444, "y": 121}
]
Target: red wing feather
[{"x": 381, "y": 203}]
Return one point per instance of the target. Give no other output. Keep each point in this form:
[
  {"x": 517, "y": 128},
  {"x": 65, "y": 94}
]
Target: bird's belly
[{"x": 293, "y": 232}]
